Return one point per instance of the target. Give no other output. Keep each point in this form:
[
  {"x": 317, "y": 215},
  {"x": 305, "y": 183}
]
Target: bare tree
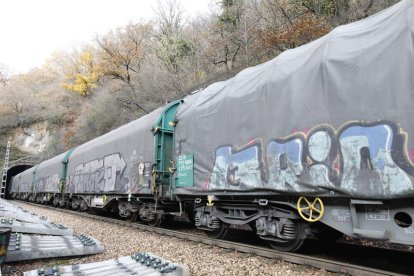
[
  {"x": 232, "y": 34},
  {"x": 123, "y": 51},
  {"x": 344, "y": 11},
  {"x": 4, "y": 76},
  {"x": 169, "y": 15},
  {"x": 173, "y": 48}
]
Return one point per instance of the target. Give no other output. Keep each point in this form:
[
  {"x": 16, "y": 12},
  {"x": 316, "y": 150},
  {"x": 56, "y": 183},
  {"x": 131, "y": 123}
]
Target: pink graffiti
[
  {"x": 205, "y": 184},
  {"x": 252, "y": 141},
  {"x": 411, "y": 155},
  {"x": 296, "y": 130}
]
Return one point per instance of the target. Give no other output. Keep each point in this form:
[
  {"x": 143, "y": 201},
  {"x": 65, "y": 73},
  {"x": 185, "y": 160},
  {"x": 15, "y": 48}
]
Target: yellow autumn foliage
[{"x": 83, "y": 75}]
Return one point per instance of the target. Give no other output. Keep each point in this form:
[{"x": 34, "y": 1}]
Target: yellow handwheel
[{"x": 311, "y": 212}]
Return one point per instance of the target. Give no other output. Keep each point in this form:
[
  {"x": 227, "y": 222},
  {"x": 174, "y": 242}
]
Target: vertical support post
[
  {"x": 164, "y": 146},
  {"x": 64, "y": 173}
]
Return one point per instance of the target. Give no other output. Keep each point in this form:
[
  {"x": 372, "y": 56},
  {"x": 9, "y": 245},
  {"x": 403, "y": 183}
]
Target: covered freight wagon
[
  {"x": 331, "y": 118},
  {"x": 22, "y": 184},
  {"x": 322, "y": 133}
]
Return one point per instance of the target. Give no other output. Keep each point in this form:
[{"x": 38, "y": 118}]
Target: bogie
[{"x": 279, "y": 225}]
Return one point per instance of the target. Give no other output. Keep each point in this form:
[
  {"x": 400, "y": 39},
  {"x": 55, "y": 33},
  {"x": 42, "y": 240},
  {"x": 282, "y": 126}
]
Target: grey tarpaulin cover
[
  {"x": 22, "y": 183},
  {"x": 48, "y": 174},
  {"x": 118, "y": 162},
  {"x": 333, "y": 117}
]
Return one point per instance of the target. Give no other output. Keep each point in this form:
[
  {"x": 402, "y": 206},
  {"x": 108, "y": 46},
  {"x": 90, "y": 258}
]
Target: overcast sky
[{"x": 31, "y": 30}]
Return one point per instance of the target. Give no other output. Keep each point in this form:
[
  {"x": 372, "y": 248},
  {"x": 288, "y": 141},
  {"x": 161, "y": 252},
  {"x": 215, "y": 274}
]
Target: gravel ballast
[{"x": 121, "y": 241}]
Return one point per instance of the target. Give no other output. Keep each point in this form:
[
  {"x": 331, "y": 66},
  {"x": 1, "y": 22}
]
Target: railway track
[{"x": 297, "y": 258}]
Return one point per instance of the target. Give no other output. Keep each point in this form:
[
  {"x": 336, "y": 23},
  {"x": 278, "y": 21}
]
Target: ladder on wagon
[{"x": 5, "y": 168}]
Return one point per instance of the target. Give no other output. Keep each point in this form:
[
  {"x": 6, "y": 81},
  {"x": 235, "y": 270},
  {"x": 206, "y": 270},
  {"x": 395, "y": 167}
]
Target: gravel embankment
[{"x": 200, "y": 258}]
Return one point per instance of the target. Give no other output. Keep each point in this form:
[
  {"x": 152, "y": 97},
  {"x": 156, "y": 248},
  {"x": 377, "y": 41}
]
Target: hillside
[{"x": 78, "y": 95}]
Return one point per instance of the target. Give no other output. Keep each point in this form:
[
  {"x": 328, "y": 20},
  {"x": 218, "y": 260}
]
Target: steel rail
[{"x": 329, "y": 265}]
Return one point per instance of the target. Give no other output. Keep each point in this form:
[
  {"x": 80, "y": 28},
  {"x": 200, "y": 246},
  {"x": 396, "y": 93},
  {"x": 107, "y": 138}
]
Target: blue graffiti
[
  {"x": 285, "y": 163},
  {"x": 366, "y": 155},
  {"x": 236, "y": 169},
  {"x": 356, "y": 160}
]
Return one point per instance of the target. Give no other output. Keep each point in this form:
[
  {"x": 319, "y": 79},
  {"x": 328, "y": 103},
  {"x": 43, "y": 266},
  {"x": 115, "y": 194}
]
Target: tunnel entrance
[{"x": 12, "y": 171}]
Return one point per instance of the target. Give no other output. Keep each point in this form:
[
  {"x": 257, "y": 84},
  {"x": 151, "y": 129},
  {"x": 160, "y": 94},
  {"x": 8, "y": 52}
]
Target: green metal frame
[
  {"x": 164, "y": 145},
  {"x": 65, "y": 162}
]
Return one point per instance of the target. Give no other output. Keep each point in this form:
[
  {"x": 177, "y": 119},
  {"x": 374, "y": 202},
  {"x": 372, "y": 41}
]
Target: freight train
[{"x": 315, "y": 142}]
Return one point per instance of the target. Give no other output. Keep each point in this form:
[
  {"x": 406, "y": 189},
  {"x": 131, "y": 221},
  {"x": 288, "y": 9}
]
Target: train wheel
[
  {"x": 252, "y": 226},
  {"x": 55, "y": 201},
  {"x": 155, "y": 222},
  {"x": 83, "y": 206},
  {"x": 287, "y": 246},
  {"x": 75, "y": 207},
  {"x": 132, "y": 218},
  {"x": 290, "y": 245},
  {"x": 62, "y": 203},
  {"x": 218, "y": 233}
]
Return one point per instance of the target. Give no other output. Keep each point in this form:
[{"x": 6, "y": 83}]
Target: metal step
[
  {"x": 137, "y": 264},
  {"x": 25, "y": 247}
]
